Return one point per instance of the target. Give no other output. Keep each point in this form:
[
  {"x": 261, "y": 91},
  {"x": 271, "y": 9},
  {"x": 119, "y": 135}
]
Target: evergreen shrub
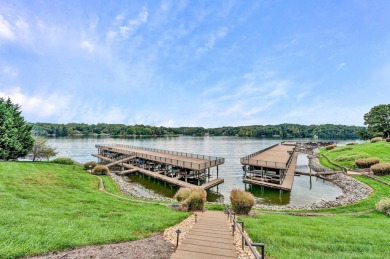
[
  {"x": 388, "y": 140},
  {"x": 384, "y": 206},
  {"x": 352, "y": 143},
  {"x": 381, "y": 169},
  {"x": 100, "y": 170},
  {"x": 242, "y": 201},
  {"x": 366, "y": 162}
]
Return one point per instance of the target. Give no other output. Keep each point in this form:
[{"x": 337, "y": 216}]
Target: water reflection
[{"x": 231, "y": 148}]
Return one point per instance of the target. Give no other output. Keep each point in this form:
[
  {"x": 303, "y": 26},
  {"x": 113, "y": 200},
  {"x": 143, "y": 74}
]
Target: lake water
[{"x": 305, "y": 190}]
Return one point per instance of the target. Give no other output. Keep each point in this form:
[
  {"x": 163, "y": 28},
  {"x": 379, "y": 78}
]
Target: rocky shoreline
[{"x": 353, "y": 190}]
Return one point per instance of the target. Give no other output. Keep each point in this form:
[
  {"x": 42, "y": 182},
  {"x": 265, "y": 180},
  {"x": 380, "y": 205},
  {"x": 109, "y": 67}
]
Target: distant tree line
[{"x": 259, "y": 131}]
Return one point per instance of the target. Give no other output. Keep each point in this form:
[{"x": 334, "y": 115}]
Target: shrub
[
  {"x": 100, "y": 170},
  {"x": 182, "y": 194},
  {"x": 330, "y": 147},
  {"x": 366, "y": 162},
  {"x": 242, "y": 201},
  {"x": 191, "y": 198},
  {"x": 384, "y": 206},
  {"x": 388, "y": 140},
  {"x": 90, "y": 165},
  {"x": 381, "y": 169},
  {"x": 64, "y": 161},
  {"x": 351, "y": 144},
  {"x": 377, "y": 139}
]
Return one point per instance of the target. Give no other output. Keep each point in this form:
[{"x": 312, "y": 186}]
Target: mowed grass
[
  {"x": 46, "y": 207},
  {"x": 346, "y": 155},
  {"x": 285, "y": 236}
]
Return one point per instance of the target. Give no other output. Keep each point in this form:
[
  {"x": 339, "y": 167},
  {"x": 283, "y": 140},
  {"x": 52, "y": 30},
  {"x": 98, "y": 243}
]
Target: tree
[
  {"x": 41, "y": 150},
  {"x": 15, "y": 134},
  {"x": 378, "y": 119}
]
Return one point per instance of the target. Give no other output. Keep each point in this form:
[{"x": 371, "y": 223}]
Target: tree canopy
[
  {"x": 15, "y": 134},
  {"x": 378, "y": 120}
]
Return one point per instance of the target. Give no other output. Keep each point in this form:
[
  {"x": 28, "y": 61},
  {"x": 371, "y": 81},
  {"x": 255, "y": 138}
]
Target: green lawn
[
  {"x": 346, "y": 155},
  {"x": 46, "y": 207},
  {"x": 285, "y": 236}
]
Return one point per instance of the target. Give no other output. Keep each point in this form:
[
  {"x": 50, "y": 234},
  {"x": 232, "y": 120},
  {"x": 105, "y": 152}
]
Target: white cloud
[
  {"x": 38, "y": 106},
  {"x": 125, "y": 29},
  {"x": 87, "y": 46},
  {"x": 212, "y": 39},
  {"x": 5, "y": 29},
  {"x": 8, "y": 71},
  {"x": 341, "y": 66}
]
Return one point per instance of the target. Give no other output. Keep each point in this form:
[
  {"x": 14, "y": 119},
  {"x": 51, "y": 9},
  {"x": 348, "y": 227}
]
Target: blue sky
[{"x": 195, "y": 63}]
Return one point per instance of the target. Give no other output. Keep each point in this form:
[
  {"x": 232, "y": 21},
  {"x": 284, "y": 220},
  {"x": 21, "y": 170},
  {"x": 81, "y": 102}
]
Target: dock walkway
[
  {"x": 168, "y": 179},
  {"x": 210, "y": 238}
]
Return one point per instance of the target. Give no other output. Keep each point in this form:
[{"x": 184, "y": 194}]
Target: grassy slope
[
  {"x": 365, "y": 236},
  {"x": 338, "y": 236},
  {"x": 346, "y": 155},
  {"x": 45, "y": 207}
]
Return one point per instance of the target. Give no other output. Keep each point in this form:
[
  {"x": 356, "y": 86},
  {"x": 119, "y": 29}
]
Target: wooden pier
[
  {"x": 177, "y": 168},
  {"x": 272, "y": 167}
]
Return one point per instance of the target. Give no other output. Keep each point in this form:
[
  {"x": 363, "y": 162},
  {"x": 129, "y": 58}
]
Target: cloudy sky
[{"x": 195, "y": 63}]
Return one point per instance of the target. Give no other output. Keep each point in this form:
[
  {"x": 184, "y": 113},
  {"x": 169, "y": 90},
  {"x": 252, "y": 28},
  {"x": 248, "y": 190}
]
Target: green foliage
[
  {"x": 191, "y": 199},
  {"x": 89, "y": 165},
  {"x": 366, "y": 162},
  {"x": 182, "y": 194},
  {"x": 384, "y": 206},
  {"x": 351, "y": 144},
  {"x": 380, "y": 150},
  {"x": 15, "y": 134},
  {"x": 242, "y": 201},
  {"x": 268, "y": 131},
  {"x": 64, "y": 161},
  {"x": 381, "y": 169},
  {"x": 41, "y": 150},
  {"x": 46, "y": 208},
  {"x": 100, "y": 170},
  {"x": 377, "y": 139},
  {"x": 330, "y": 147},
  {"x": 378, "y": 119}
]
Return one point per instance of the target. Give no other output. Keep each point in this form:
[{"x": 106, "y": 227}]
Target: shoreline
[{"x": 352, "y": 191}]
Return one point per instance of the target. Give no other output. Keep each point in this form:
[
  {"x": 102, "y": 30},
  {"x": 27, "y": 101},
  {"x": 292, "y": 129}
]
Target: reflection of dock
[
  {"x": 177, "y": 168},
  {"x": 272, "y": 167}
]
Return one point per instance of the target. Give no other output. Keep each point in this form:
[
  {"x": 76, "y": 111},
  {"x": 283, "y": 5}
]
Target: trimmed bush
[
  {"x": 381, "y": 169},
  {"x": 242, "y": 201},
  {"x": 330, "y": 147},
  {"x": 191, "y": 199},
  {"x": 100, "y": 170},
  {"x": 182, "y": 194},
  {"x": 388, "y": 140},
  {"x": 366, "y": 162},
  {"x": 64, "y": 161},
  {"x": 89, "y": 165},
  {"x": 377, "y": 139},
  {"x": 351, "y": 144},
  {"x": 384, "y": 206}
]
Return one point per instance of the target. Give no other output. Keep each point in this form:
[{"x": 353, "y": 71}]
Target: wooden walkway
[
  {"x": 210, "y": 238},
  {"x": 182, "y": 159},
  {"x": 168, "y": 179}
]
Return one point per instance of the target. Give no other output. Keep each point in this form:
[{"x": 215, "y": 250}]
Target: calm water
[{"x": 305, "y": 189}]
